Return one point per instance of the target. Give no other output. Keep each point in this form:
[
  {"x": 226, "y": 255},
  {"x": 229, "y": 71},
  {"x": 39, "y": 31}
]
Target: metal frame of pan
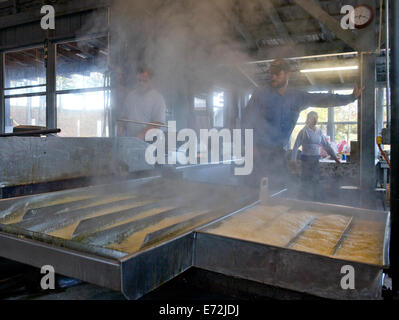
[
  {"x": 292, "y": 269},
  {"x": 139, "y": 273}
]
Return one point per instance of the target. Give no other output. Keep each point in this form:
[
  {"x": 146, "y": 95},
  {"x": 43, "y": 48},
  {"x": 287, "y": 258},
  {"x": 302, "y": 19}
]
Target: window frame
[
  {"x": 51, "y": 90},
  {"x": 4, "y": 96},
  {"x": 222, "y": 108},
  {"x": 330, "y": 119}
]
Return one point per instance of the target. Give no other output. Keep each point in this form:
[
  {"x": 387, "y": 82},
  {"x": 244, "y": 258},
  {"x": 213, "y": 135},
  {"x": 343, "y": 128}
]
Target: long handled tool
[
  {"x": 30, "y": 133},
  {"x": 146, "y": 123}
]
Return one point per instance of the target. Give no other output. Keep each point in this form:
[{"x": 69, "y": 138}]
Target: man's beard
[{"x": 277, "y": 85}]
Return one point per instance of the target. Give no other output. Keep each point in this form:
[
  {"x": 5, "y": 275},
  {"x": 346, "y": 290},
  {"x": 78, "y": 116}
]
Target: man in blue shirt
[{"x": 273, "y": 112}]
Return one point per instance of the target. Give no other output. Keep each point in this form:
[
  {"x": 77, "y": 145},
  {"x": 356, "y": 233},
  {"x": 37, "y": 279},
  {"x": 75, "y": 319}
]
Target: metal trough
[
  {"x": 297, "y": 270},
  {"x": 169, "y": 240},
  {"x": 96, "y": 219}
]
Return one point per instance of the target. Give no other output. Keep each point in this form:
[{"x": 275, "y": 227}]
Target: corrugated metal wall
[{"x": 67, "y": 27}]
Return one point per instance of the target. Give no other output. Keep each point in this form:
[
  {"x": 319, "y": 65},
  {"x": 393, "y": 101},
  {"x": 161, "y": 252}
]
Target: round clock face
[{"x": 363, "y": 16}]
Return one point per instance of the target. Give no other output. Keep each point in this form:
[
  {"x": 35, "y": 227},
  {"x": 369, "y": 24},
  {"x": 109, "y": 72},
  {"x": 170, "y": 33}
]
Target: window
[
  {"x": 343, "y": 121},
  {"x": 347, "y": 132},
  {"x": 247, "y": 98},
  {"x": 218, "y": 108},
  {"x": 199, "y": 103},
  {"x": 80, "y": 114},
  {"x": 82, "y": 89},
  {"x": 322, "y": 124},
  {"x": 385, "y": 103},
  {"x": 25, "y": 88}
]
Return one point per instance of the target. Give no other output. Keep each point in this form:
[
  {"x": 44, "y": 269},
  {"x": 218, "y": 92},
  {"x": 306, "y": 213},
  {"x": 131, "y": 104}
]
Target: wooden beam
[
  {"x": 280, "y": 27},
  {"x": 240, "y": 28},
  {"x": 90, "y": 52},
  {"x": 333, "y": 25},
  {"x": 69, "y": 55},
  {"x": 32, "y": 56},
  {"x": 295, "y": 28},
  {"x": 329, "y": 35},
  {"x": 14, "y": 57},
  {"x": 246, "y": 75},
  {"x": 291, "y": 51}
]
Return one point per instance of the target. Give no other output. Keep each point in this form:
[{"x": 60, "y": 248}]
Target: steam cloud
[{"x": 184, "y": 41}]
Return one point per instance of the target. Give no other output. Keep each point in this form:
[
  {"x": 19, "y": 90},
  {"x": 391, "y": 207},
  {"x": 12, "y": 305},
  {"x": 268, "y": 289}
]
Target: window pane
[
  {"x": 322, "y": 112},
  {"x": 25, "y": 111},
  {"x": 81, "y": 64},
  {"x": 218, "y": 117},
  {"x": 218, "y": 99},
  {"x": 385, "y": 106},
  {"x": 347, "y": 132},
  {"x": 199, "y": 103},
  {"x": 81, "y": 114},
  {"x": 345, "y": 113},
  {"x": 352, "y": 132},
  {"x": 247, "y": 98},
  {"x": 25, "y": 68},
  {"x": 218, "y": 105}
]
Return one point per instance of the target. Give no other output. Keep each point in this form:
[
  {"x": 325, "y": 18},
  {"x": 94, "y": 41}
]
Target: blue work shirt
[{"x": 273, "y": 116}]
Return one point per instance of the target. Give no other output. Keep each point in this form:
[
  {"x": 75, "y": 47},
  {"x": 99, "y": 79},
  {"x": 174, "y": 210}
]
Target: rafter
[
  {"x": 279, "y": 26},
  {"x": 333, "y": 25},
  {"x": 240, "y": 28}
]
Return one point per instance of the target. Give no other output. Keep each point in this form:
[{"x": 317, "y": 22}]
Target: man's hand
[
  {"x": 357, "y": 91},
  {"x": 337, "y": 160}
]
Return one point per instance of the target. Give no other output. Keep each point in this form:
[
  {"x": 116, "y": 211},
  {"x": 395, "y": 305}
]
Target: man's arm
[
  {"x": 325, "y": 100},
  {"x": 142, "y": 133}
]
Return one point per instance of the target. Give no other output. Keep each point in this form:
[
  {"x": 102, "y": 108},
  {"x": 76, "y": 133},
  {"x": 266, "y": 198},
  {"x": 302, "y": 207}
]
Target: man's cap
[{"x": 279, "y": 65}]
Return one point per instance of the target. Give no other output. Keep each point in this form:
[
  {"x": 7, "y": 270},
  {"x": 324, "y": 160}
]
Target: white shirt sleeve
[{"x": 159, "y": 110}]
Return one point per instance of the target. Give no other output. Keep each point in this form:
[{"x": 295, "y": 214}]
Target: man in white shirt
[{"x": 143, "y": 104}]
